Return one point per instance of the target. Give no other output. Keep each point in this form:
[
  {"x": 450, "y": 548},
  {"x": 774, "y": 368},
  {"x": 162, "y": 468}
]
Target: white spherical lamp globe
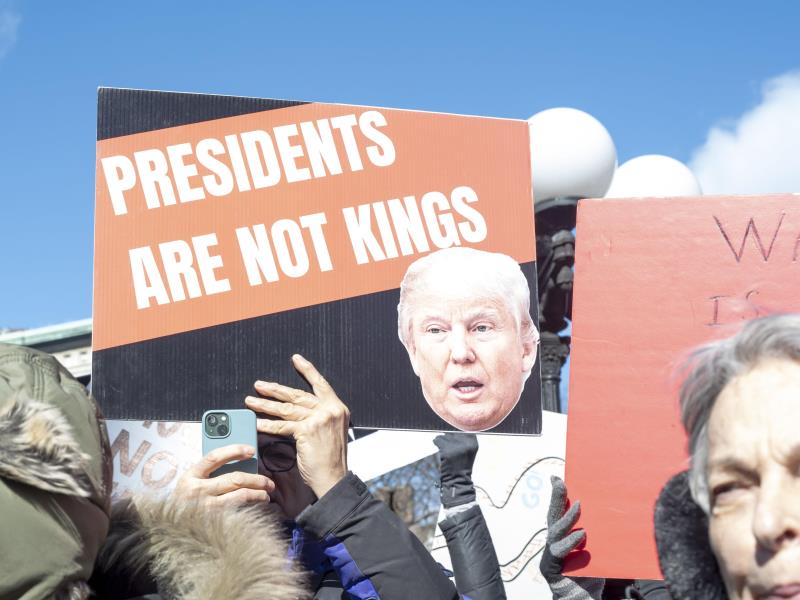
[
  {"x": 572, "y": 154},
  {"x": 653, "y": 176}
]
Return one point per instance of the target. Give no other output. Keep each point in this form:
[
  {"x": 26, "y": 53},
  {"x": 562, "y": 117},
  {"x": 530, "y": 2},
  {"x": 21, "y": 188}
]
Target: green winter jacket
[
  {"x": 60, "y": 538},
  {"x": 55, "y": 478}
]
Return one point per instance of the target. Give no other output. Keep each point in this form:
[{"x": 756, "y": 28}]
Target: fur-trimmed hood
[
  {"x": 190, "y": 551},
  {"x": 684, "y": 554},
  {"x": 55, "y": 478},
  {"x": 61, "y": 537},
  {"x": 52, "y": 436}
]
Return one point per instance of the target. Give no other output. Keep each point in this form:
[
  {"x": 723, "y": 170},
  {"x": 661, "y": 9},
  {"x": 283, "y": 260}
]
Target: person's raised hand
[
  {"x": 457, "y": 453},
  {"x": 458, "y": 450},
  {"x": 317, "y": 421},
  {"x": 231, "y": 489},
  {"x": 561, "y": 540}
]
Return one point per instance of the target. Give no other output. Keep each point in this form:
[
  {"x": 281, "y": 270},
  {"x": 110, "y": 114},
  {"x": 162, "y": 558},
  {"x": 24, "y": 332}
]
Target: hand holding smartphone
[{"x": 225, "y": 427}]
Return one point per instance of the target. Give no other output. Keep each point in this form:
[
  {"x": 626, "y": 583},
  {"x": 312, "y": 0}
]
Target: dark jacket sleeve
[
  {"x": 371, "y": 549},
  {"x": 472, "y": 553}
]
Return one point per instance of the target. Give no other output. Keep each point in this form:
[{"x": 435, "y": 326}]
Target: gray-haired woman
[
  {"x": 740, "y": 405},
  {"x": 730, "y": 526}
]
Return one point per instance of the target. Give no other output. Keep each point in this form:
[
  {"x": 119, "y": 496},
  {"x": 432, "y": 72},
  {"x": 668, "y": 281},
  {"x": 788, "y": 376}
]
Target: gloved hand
[
  {"x": 456, "y": 456},
  {"x": 561, "y": 540}
]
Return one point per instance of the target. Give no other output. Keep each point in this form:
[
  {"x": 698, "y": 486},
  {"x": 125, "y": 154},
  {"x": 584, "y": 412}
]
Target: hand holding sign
[
  {"x": 318, "y": 423},
  {"x": 562, "y": 540}
]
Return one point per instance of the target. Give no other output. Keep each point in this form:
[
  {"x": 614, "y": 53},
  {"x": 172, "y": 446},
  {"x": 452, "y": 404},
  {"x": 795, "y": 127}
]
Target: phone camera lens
[
  {"x": 211, "y": 420},
  {"x": 222, "y": 430}
]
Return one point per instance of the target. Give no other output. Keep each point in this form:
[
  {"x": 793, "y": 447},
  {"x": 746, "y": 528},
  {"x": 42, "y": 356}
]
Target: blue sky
[{"x": 659, "y": 76}]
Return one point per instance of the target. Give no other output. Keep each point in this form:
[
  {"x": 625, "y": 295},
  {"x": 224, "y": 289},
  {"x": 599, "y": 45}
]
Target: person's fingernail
[
  {"x": 249, "y": 450},
  {"x": 260, "y": 383},
  {"x": 299, "y": 358}
]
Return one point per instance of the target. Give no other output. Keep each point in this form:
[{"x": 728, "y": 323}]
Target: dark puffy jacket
[
  {"x": 687, "y": 562},
  {"x": 358, "y": 548},
  {"x": 472, "y": 553}
]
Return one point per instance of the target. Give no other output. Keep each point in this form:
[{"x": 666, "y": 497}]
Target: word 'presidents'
[{"x": 254, "y": 160}]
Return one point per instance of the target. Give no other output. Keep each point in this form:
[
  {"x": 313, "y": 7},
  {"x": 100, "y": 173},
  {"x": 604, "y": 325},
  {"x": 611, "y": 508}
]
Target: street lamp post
[
  {"x": 643, "y": 176},
  {"x": 572, "y": 157},
  {"x": 555, "y": 251}
]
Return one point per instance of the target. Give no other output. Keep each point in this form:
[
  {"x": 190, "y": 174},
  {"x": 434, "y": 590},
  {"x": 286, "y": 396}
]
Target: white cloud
[
  {"x": 760, "y": 153},
  {"x": 9, "y": 23}
]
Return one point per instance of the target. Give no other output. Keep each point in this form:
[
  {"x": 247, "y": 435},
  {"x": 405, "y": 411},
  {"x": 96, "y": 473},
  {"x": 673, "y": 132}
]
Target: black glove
[
  {"x": 561, "y": 542},
  {"x": 456, "y": 456}
]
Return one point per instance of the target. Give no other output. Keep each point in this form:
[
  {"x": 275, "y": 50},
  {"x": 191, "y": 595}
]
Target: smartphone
[{"x": 226, "y": 427}]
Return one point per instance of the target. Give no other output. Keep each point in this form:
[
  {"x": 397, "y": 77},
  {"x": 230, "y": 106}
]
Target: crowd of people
[{"x": 305, "y": 526}]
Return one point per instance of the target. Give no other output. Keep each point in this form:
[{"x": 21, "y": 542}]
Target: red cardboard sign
[{"x": 653, "y": 279}]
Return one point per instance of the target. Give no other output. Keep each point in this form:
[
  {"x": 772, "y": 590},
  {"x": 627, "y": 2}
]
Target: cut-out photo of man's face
[{"x": 464, "y": 320}]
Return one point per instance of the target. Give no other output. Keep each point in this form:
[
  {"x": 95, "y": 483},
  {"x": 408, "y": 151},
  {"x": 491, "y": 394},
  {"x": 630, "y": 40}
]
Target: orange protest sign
[
  {"x": 653, "y": 279},
  {"x": 231, "y": 233}
]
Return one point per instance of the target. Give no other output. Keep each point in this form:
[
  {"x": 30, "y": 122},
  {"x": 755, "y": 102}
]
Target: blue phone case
[{"x": 241, "y": 430}]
